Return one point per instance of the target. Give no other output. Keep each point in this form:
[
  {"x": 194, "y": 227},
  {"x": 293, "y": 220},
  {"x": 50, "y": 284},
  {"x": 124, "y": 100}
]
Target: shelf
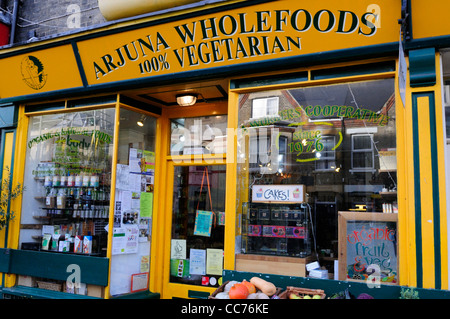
[
  {"x": 388, "y": 193},
  {"x": 278, "y": 265}
]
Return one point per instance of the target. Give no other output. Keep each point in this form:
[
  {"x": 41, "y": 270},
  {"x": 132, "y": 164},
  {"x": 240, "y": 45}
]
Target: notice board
[{"x": 368, "y": 247}]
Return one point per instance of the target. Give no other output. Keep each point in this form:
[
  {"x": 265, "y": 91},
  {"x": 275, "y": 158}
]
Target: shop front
[{"x": 252, "y": 136}]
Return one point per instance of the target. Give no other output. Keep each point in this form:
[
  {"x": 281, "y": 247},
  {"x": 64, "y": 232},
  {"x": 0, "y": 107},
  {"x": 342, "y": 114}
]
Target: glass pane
[
  {"x": 362, "y": 160},
  {"x": 198, "y": 135},
  {"x": 362, "y": 142},
  {"x": 133, "y": 204},
  {"x": 198, "y": 221},
  {"x": 329, "y": 148},
  {"x": 67, "y": 181}
]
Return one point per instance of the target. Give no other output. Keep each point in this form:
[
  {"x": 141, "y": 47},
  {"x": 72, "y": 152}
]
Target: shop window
[
  {"x": 67, "y": 180},
  {"x": 335, "y": 147}
]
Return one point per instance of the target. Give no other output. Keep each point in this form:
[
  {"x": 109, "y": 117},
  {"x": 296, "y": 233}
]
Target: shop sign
[
  {"x": 272, "y": 30},
  {"x": 39, "y": 72},
  {"x": 262, "y": 32},
  {"x": 278, "y": 193}
]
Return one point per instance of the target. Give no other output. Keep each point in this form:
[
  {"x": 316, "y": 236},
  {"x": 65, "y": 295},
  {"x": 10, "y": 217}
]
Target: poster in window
[
  {"x": 203, "y": 223},
  {"x": 368, "y": 247}
]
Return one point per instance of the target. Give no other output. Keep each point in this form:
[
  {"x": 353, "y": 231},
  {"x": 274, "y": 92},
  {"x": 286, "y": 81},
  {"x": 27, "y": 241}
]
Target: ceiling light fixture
[
  {"x": 187, "y": 99},
  {"x": 141, "y": 120}
]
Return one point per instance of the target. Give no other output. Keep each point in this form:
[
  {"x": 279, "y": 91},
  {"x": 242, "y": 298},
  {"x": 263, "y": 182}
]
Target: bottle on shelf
[
  {"x": 78, "y": 180},
  {"x": 50, "y": 199},
  {"x": 70, "y": 198},
  {"x": 61, "y": 199},
  {"x": 86, "y": 180},
  {"x": 70, "y": 181}
]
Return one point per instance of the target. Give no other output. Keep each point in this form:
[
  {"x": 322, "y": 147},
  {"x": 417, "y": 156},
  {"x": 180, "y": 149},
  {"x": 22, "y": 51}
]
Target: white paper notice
[
  {"x": 178, "y": 249},
  {"x": 122, "y": 176},
  {"x": 132, "y": 234},
  {"x": 197, "y": 262}
]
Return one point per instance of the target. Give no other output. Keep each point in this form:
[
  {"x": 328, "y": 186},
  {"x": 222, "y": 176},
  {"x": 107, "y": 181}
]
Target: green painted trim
[
  {"x": 5, "y": 260},
  {"x": 354, "y": 70},
  {"x": 198, "y": 294},
  {"x": 38, "y": 293},
  {"x": 76, "y": 53},
  {"x": 417, "y": 200},
  {"x": 422, "y": 67},
  {"x": 435, "y": 42},
  {"x": 139, "y": 295},
  {"x": 435, "y": 189},
  {"x": 269, "y": 80},
  {"x": 52, "y": 265},
  {"x": 436, "y": 196},
  {"x": 334, "y": 286}
]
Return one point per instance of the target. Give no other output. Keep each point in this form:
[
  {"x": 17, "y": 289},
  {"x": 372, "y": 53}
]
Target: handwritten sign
[
  {"x": 368, "y": 247},
  {"x": 278, "y": 193}
]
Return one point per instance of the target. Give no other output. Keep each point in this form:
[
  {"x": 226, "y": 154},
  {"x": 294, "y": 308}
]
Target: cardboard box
[{"x": 26, "y": 281}]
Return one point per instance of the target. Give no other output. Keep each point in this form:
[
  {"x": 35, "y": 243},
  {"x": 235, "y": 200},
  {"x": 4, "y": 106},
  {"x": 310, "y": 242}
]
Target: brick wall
[{"x": 49, "y": 18}]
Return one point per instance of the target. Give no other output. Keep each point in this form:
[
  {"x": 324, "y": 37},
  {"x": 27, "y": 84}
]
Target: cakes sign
[{"x": 278, "y": 193}]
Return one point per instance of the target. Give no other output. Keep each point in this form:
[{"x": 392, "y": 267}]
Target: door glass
[
  {"x": 133, "y": 203},
  {"x": 198, "y": 135},
  {"x": 198, "y": 222}
]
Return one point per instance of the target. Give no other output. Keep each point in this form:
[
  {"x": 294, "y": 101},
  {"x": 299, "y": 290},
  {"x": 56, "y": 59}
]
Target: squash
[
  {"x": 229, "y": 285},
  {"x": 266, "y": 287},
  {"x": 222, "y": 295},
  {"x": 238, "y": 291},
  {"x": 251, "y": 287},
  {"x": 261, "y": 295}
]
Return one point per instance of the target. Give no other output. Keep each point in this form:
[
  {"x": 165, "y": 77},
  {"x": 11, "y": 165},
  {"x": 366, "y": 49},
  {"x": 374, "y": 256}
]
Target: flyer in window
[
  {"x": 132, "y": 234},
  {"x": 197, "y": 265},
  {"x": 214, "y": 261},
  {"x": 178, "y": 249}
]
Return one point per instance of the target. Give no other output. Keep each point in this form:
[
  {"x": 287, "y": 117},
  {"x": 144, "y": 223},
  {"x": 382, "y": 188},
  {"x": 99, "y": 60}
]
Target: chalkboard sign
[{"x": 368, "y": 249}]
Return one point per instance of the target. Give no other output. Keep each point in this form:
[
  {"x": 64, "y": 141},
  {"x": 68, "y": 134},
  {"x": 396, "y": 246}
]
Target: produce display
[{"x": 256, "y": 288}]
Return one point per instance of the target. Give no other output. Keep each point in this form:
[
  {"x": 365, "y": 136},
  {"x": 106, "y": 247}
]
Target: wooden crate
[
  {"x": 49, "y": 285},
  {"x": 301, "y": 292}
]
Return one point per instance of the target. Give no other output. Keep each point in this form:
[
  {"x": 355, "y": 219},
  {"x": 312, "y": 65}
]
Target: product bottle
[
  {"x": 70, "y": 181},
  {"x": 78, "y": 180},
  {"x": 86, "y": 180},
  {"x": 61, "y": 199},
  {"x": 50, "y": 199},
  {"x": 70, "y": 198}
]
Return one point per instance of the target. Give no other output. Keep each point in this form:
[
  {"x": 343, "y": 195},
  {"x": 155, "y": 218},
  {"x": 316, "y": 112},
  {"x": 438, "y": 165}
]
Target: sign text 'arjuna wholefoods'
[{"x": 228, "y": 38}]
